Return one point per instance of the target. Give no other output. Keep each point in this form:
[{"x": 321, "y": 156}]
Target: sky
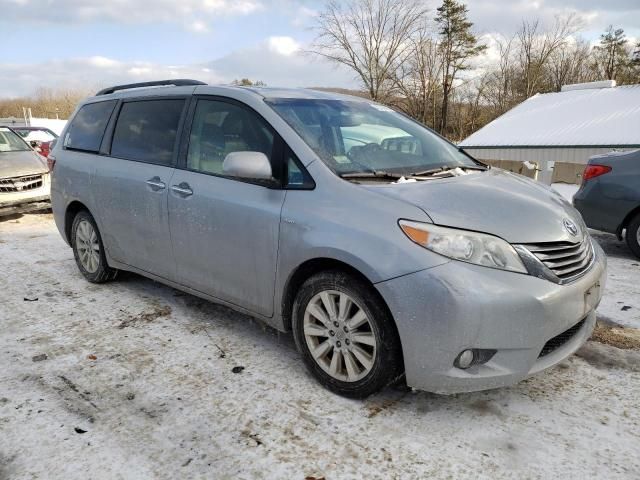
[{"x": 71, "y": 44}]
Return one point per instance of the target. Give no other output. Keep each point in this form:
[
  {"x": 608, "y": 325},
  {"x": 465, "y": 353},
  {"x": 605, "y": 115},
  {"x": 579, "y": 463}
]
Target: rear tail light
[
  {"x": 593, "y": 171},
  {"x": 45, "y": 148},
  {"x": 51, "y": 162}
]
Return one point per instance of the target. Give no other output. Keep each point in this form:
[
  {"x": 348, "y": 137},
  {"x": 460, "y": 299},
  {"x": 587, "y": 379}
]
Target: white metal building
[{"x": 569, "y": 126}]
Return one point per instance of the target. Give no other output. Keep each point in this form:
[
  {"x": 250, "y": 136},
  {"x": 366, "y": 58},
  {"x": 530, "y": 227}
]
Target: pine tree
[
  {"x": 458, "y": 45},
  {"x": 612, "y": 47}
]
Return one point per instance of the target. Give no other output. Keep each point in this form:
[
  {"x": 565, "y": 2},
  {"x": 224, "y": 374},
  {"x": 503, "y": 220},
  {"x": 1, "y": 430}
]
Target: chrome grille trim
[
  {"x": 20, "y": 184},
  {"x": 560, "y": 262},
  {"x": 547, "y": 247}
]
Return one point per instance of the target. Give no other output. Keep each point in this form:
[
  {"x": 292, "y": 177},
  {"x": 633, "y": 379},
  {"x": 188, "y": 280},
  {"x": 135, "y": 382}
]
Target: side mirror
[{"x": 250, "y": 165}]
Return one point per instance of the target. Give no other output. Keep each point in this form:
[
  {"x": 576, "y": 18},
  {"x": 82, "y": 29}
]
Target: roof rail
[{"x": 178, "y": 82}]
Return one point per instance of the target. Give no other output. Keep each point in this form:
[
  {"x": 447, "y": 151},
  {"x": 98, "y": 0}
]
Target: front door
[
  {"x": 225, "y": 230},
  {"x": 131, "y": 185}
]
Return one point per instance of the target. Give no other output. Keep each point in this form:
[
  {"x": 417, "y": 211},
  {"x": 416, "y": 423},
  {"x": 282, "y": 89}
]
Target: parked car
[
  {"x": 39, "y": 138},
  {"x": 609, "y": 196},
  {"x": 400, "y": 256},
  {"x": 24, "y": 176}
]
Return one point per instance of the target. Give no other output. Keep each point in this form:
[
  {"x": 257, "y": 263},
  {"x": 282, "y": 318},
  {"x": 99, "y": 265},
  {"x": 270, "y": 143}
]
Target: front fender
[{"x": 352, "y": 225}]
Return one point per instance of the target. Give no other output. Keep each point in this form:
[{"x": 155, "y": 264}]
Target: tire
[
  {"x": 361, "y": 368},
  {"x": 633, "y": 235},
  {"x": 95, "y": 269}
]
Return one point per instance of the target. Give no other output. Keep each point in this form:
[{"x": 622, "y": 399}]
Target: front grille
[
  {"x": 20, "y": 184},
  {"x": 559, "y": 340},
  {"x": 565, "y": 259}
]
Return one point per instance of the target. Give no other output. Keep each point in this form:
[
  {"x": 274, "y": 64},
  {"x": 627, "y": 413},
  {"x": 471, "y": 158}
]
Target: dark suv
[{"x": 609, "y": 197}]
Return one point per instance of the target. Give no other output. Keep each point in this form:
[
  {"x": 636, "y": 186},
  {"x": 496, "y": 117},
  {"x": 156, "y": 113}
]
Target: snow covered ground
[
  {"x": 136, "y": 380},
  {"x": 567, "y": 190}
]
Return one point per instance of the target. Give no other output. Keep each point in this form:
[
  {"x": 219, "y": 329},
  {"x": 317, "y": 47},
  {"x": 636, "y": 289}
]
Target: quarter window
[
  {"x": 220, "y": 128},
  {"x": 88, "y": 126},
  {"x": 297, "y": 176},
  {"x": 147, "y": 130}
]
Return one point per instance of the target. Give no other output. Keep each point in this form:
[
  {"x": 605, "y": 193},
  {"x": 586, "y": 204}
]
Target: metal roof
[{"x": 573, "y": 118}]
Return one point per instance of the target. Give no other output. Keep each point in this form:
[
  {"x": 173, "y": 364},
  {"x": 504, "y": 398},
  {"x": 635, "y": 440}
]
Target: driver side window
[{"x": 220, "y": 128}]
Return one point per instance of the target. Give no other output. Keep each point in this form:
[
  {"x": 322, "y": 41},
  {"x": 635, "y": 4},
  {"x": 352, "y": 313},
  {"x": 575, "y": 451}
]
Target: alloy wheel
[
  {"x": 339, "y": 336},
  {"x": 88, "y": 246}
]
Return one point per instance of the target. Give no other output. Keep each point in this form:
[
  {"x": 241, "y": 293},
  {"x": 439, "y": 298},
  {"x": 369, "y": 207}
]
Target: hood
[
  {"x": 18, "y": 164},
  {"x": 509, "y": 206}
]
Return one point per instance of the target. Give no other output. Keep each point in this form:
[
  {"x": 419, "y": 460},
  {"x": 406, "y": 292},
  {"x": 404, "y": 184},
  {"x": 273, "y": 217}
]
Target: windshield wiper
[
  {"x": 432, "y": 171},
  {"x": 372, "y": 174}
]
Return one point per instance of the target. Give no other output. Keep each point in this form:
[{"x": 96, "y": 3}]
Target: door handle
[
  {"x": 183, "y": 189},
  {"x": 156, "y": 184}
]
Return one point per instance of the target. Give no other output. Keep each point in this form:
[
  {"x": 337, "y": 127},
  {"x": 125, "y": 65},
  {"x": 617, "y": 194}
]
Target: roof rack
[{"x": 178, "y": 82}]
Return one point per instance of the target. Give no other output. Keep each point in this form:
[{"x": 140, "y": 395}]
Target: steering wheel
[{"x": 358, "y": 151}]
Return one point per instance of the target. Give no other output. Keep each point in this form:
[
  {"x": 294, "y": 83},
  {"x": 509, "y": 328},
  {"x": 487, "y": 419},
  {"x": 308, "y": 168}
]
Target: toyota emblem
[{"x": 570, "y": 227}]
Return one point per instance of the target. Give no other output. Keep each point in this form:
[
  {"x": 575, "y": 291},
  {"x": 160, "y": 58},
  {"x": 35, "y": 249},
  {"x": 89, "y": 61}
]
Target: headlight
[{"x": 463, "y": 245}]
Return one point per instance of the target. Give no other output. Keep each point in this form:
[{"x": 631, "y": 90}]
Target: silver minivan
[{"x": 391, "y": 254}]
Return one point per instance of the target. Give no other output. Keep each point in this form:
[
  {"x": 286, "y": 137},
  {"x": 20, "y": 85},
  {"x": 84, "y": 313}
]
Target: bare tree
[
  {"x": 499, "y": 90},
  {"x": 536, "y": 47},
  {"x": 245, "y": 82},
  {"x": 371, "y": 37},
  {"x": 417, "y": 80},
  {"x": 45, "y": 102},
  {"x": 570, "y": 64},
  {"x": 469, "y": 110}
]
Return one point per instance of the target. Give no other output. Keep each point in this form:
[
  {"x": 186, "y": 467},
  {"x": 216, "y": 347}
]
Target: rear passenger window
[
  {"x": 88, "y": 126},
  {"x": 147, "y": 130}
]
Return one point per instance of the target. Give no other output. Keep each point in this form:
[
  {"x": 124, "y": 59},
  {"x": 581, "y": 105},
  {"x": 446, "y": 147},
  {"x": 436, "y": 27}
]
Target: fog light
[
  {"x": 465, "y": 359},
  {"x": 473, "y": 356}
]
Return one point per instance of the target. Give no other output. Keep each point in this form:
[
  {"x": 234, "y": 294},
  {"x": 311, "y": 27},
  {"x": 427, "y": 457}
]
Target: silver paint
[{"x": 239, "y": 244}]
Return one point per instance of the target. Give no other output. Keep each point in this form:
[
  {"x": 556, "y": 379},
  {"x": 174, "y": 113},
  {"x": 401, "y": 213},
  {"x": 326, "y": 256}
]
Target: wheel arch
[
  {"x": 70, "y": 213},
  {"x": 311, "y": 267},
  {"x": 627, "y": 219}
]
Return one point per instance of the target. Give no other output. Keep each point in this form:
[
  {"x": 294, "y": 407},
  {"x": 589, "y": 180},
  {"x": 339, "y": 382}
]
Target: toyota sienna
[{"x": 386, "y": 250}]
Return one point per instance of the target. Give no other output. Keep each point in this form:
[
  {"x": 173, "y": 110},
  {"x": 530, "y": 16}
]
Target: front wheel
[
  {"x": 88, "y": 249},
  {"x": 633, "y": 235},
  {"x": 345, "y": 335}
]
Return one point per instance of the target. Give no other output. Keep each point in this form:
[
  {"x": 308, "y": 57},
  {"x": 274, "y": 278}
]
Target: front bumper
[
  {"x": 27, "y": 200},
  {"x": 444, "y": 310}
]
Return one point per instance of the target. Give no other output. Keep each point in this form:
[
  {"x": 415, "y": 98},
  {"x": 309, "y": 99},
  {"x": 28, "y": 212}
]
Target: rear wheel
[
  {"x": 633, "y": 235},
  {"x": 345, "y": 335},
  {"x": 88, "y": 249}
]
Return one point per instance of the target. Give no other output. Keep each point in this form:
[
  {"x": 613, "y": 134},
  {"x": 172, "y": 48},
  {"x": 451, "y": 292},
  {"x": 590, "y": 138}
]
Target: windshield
[
  {"x": 354, "y": 137},
  {"x": 10, "y": 142}
]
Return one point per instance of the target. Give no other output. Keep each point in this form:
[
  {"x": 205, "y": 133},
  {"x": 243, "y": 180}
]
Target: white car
[{"x": 24, "y": 176}]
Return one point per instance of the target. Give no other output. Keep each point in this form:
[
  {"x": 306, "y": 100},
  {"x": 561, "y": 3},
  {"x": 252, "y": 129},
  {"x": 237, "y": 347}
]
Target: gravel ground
[{"x": 136, "y": 380}]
